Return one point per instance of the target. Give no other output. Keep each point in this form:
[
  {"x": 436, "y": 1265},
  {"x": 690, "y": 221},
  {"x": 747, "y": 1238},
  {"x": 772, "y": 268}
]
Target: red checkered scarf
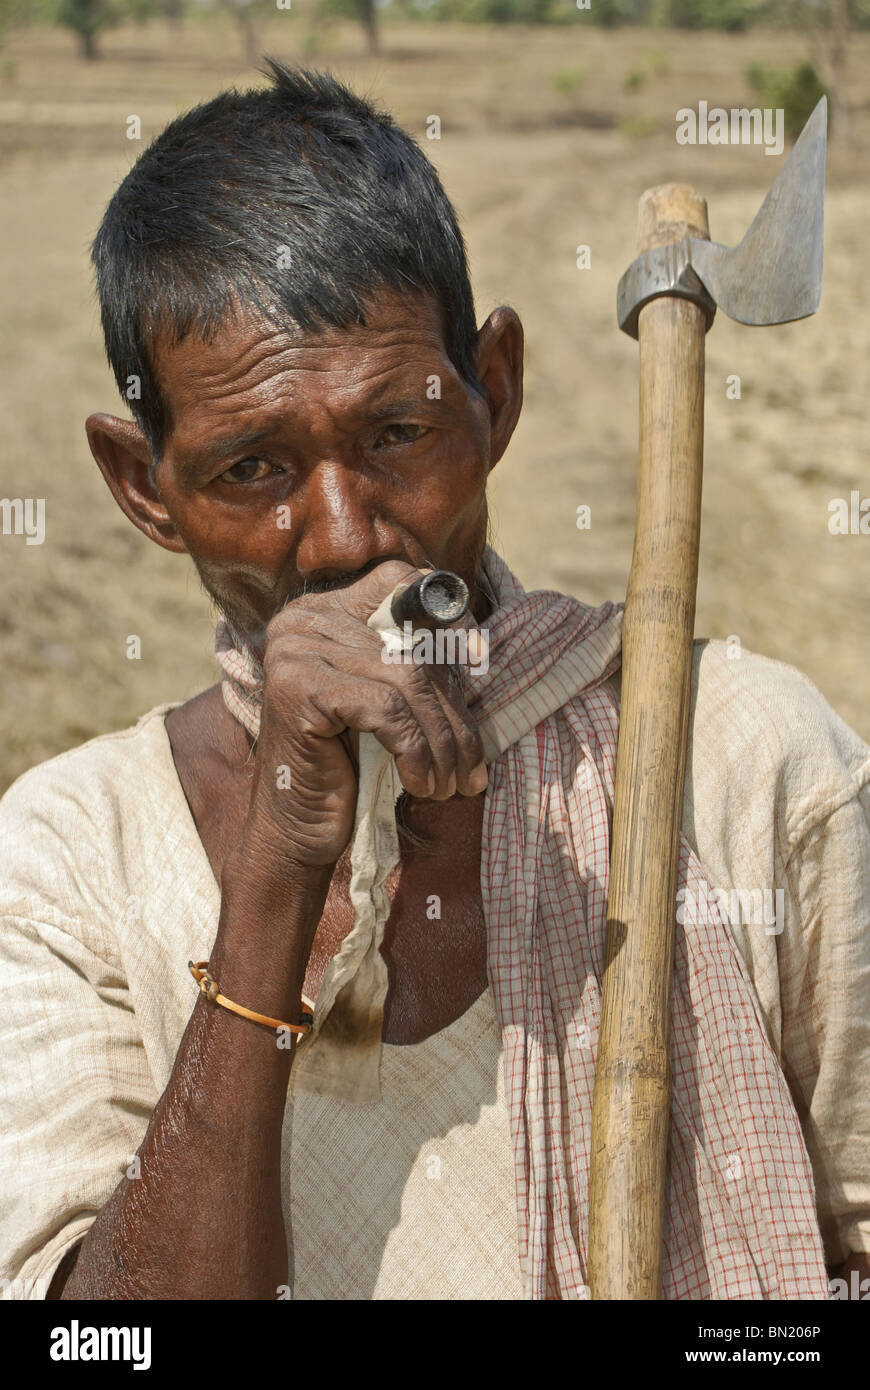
[{"x": 740, "y": 1216}]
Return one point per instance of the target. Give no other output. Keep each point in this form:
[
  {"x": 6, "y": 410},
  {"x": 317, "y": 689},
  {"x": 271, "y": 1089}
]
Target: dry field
[{"x": 547, "y": 141}]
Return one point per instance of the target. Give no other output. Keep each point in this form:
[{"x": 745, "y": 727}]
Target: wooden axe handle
[{"x": 630, "y": 1106}]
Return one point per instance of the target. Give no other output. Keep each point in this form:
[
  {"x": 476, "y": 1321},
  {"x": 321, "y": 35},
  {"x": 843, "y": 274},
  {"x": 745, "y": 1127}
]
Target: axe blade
[{"x": 775, "y": 274}]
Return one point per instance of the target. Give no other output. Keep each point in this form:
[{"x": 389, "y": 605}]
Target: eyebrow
[
  {"x": 409, "y": 405},
  {"x": 191, "y": 464}
]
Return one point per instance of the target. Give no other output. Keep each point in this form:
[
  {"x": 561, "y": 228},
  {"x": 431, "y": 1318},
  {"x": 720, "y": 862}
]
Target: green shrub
[
  {"x": 638, "y": 127},
  {"x": 567, "y": 80},
  {"x": 797, "y": 90},
  {"x": 611, "y": 13},
  {"x": 494, "y": 11},
  {"x": 659, "y": 63},
  {"x": 730, "y": 15}
]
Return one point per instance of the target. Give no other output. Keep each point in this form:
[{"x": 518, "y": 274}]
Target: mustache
[
  {"x": 328, "y": 586},
  {"x": 252, "y": 635}
]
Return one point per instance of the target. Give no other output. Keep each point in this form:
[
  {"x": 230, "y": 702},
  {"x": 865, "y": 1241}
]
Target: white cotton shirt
[{"x": 106, "y": 892}]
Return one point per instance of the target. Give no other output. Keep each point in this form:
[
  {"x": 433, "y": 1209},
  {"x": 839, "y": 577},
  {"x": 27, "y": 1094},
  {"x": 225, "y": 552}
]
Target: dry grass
[{"x": 538, "y": 155}]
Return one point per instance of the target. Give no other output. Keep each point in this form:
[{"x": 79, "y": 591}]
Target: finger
[
  {"x": 366, "y": 706},
  {"x": 356, "y": 601},
  {"x": 422, "y": 699},
  {"x": 328, "y": 691},
  {"x": 450, "y": 683},
  {"x": 471, "y": 772},
  {"x": 361, "y": 599},
  {"x": 445, "y": 684}
]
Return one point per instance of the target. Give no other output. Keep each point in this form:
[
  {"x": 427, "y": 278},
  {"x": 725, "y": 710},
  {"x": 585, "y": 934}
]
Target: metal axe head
[{"x": 774, "y": 275}]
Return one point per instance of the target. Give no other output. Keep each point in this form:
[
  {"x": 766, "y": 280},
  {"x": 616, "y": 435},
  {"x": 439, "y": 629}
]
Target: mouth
[
  {"x": 254, "y": 635},
  {"x": 339, "y": 581}
]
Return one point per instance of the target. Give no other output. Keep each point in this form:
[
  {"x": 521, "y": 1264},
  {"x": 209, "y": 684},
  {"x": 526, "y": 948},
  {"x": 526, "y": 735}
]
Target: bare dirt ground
[{"x": 547, "y": 142}]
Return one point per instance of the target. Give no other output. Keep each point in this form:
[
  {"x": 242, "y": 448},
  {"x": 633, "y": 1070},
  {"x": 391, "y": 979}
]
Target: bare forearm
[{"x": 204, "y": 1218}]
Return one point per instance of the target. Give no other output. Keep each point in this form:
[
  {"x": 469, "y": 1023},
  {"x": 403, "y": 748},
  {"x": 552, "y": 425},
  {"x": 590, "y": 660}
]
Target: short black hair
[{"x": 300, "y": 199}]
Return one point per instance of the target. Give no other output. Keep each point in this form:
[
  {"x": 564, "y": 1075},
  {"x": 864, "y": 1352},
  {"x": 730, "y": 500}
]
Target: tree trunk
[
  {"x": 88, "y": 44},
  {"x": 369, "y": 18},
  {"x": 249, "y": 38},
  {"x": 840, "y": 123}
]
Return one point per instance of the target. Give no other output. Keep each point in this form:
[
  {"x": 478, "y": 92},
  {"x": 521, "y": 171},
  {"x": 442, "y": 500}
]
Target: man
[{"x": 283, "y": 277}]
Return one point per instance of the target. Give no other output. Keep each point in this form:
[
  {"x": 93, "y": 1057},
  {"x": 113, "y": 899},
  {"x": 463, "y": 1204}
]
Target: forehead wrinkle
[
  {"x": 367, "y": 379},
  {"x": 237, "y": 374},
  {"x": 208, "y": 367},
  {"x": 217, "y": 427},
  {"x": 247, "y": 336},
  {"x": 321, "y": 358}
]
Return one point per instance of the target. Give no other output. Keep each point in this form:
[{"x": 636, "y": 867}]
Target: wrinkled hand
[{"x": 325, "y": 682}]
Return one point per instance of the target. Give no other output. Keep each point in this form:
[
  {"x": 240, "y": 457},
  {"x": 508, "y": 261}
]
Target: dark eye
[
  {"x": 402, "y": 434},
  {"x": 246, "y": 471}
]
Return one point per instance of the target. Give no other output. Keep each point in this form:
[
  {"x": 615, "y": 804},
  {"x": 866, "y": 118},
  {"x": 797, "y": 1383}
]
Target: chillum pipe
[{"x": 435, "y": 600}]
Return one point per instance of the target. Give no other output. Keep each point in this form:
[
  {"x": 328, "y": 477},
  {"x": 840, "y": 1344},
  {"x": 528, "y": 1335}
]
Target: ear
[
  {"x": 499, "y": 357},
  {"x": 127, "y": 464}
]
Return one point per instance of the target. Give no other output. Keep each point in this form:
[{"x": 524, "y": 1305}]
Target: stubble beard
[{"x": 253, "y": 635}]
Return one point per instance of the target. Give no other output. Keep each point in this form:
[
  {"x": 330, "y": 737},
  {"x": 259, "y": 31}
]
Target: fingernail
[
  {"x": 479, "y": 779},
  {"x": 431, "y": 783}
]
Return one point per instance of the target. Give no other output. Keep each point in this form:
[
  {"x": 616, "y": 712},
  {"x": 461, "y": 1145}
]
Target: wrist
[
  {"x": 271, "y": 852},
  {"x": 267, "y": 926},
  {"x": 260, "y": 868}
]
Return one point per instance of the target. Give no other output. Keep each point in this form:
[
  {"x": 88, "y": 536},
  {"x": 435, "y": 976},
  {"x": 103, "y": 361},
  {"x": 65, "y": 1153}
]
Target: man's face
[{"x": 300, "y": 461}]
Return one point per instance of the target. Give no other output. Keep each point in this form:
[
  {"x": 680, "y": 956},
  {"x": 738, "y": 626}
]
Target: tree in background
[
  {"x": 827, "y": 24},
  {"x": 796, "y": 90},
  {"x": 366, "y": 11},
  {"x": 368, "y": 16},
  {"x": 244, "y": 14},
  {"x": 11, "y": 12},
  {"x": 89, "y": 18},
  {"x": 839, "y": 47}
]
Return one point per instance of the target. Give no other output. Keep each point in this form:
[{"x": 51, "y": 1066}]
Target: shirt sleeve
[
  {"x": 76, "y": 1091},
  {"x": 824, "y": 972}
]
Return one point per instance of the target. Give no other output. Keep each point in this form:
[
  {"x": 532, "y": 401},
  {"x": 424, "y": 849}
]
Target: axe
[{"x": 667, "y": 300}]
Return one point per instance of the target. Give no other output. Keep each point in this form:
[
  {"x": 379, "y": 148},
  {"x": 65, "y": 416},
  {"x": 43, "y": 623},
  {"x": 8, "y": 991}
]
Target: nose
[{"x": 340, "y": 523}]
